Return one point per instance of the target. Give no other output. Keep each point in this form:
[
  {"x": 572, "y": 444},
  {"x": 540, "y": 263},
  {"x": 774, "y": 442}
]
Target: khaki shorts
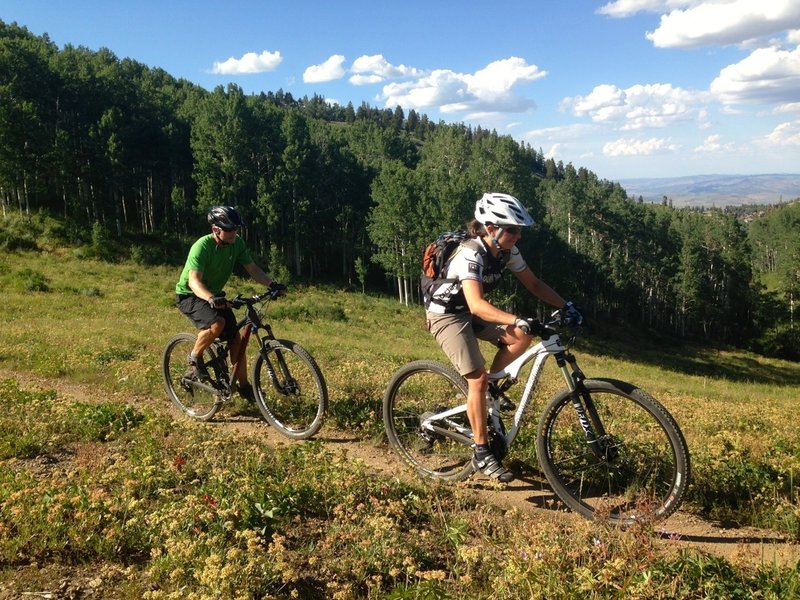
[{"x": 458, "y": 335}]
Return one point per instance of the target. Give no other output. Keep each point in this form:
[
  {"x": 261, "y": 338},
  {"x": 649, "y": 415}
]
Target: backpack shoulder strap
[
  {"x": 472, "y": 243},
  {"x": 475, "y": 244}
]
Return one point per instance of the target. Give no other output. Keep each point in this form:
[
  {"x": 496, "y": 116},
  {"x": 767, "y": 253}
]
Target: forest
[{"x": 129, "y": 158}]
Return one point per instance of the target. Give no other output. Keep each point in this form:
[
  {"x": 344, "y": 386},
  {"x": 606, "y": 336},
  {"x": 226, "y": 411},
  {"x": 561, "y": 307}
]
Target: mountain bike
[
  {"x": 288, "y": 386},
  {"x": 607, "y": 448}
]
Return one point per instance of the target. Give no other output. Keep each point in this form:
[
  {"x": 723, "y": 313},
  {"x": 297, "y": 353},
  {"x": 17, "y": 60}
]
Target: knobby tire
[
  {"x": 290, "y": 389},
  {"x": 643, "y": 470},
  {"x": 416, "y": 391},
  {"x": 191, "y": 398}
]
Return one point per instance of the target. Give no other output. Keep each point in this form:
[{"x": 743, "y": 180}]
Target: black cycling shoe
[
  {"x": 197, "y": 370},
  {"x": 506, "y": 405},
  {"x": 492, "y": 468},
  {"x": 246, "y": 391}
]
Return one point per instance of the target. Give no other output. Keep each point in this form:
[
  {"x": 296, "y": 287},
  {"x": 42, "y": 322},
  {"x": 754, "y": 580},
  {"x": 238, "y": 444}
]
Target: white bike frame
[{"x": 539, "y": 353}]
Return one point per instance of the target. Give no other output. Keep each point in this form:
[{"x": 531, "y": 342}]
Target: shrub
[{"x": 30, "y": 280}]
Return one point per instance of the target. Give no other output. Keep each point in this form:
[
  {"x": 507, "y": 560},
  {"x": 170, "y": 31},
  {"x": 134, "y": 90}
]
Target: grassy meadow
[{"x": 118, "y": 496}]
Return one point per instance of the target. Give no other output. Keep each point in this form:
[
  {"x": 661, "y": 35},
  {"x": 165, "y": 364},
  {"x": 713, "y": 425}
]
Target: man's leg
[
  {"x": 241, "y": 366},
  {"x": 206, "y": 337}
]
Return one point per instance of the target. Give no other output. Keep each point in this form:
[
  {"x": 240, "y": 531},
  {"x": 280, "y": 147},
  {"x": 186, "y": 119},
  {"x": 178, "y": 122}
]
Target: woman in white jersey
[{"x": 459, "y": 314}]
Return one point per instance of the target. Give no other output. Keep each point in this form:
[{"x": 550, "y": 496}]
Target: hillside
[
  {"x": 107, "y": 493},
  {"x": 716, "y": 190}
]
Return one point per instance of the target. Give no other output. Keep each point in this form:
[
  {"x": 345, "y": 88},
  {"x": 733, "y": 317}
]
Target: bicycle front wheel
[
  {"x": 638, "y": 470},
  {"x": 198, "y": 399},
  {"x": 435, "y": 446},
  {"x": 290, "y": 390}
]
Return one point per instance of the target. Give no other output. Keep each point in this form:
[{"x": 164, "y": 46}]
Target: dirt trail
[{"x": 682, "y": 530}]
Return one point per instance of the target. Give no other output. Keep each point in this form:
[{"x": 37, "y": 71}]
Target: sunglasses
[
  {"x": 512, "y": 230},
  {"x": 227, "y": 229}
]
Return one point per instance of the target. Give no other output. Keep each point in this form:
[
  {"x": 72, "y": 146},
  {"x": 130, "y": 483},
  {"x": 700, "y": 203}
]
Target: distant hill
[{"x": 716, "y": 190}]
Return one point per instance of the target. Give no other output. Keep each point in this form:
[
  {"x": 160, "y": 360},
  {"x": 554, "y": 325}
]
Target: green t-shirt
[{"x": 214, "y": 262}]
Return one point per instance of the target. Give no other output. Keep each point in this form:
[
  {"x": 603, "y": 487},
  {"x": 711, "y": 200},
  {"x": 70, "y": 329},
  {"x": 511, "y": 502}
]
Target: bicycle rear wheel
[
  {"x": 290, "y": 390},
  {"x": 198, "y": 399},
  {"x": 442, "y": 448},
  {"x": 641, "y": 468}
]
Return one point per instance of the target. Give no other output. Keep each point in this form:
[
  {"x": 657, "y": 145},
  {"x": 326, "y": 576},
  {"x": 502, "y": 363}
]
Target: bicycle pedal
[{"x": 506, "y": 404}]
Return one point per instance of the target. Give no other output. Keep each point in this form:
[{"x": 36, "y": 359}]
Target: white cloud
[
  {"x": 554, "y": 151},
  {"x": 365, "y": 79},
  {"x": 497, "y": 78},
  {"x": 433, "y": 90},
  {"x": 489, "y": 89},
  {"x": 560, "y": 139},
  {"x": 330, "y": 70},
  {"x": 565, "y": 132},
  {"x": 786, "y": 134},
  {"x": 639, "y": 106},
  {"x": 788, "y": 107},
  {"x": 626, "y": 8},
  {"x": 249, "y": 63},
  {"x": 376, "y": 68},
  {"x": 712, "y": 144},
  {"x": 635, "y": 147},
  {"x": 488, "y": 119},
  {"x": 766, "y": 75},
  {"x": 726, "y": 22}
]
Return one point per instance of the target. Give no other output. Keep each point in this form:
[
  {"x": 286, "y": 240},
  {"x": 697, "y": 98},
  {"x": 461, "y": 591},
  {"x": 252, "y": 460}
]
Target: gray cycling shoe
[{"x": 492, "y": 468}]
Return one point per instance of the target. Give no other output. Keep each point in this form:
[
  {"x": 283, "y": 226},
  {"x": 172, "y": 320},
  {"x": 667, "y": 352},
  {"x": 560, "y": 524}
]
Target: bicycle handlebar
[
  {"x": 552, "y": 326},
  {"x": 240, "y": 301}
]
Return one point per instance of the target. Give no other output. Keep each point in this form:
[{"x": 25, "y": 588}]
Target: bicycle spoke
[
  {"x": 643, "y": 464},
  {"x": 197, "y": 398},
  {"x": 292, "y": 395},
  {"x": 412, "y": 400}
]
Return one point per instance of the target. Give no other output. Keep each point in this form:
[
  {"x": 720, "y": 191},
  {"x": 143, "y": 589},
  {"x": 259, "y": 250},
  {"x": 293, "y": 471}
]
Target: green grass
[
  {"x": 174, "y": 509},
  {"x": 171, "y": 509}
]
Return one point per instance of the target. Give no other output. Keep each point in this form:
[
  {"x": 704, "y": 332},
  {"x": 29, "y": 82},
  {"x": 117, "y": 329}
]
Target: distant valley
[{"x": 716, "y": 190}]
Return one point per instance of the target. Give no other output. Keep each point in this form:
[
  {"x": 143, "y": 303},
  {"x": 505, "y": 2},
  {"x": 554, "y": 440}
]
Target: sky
[{"x": 624, "y": 88}]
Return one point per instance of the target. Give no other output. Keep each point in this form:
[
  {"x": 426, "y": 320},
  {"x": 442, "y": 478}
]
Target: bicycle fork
[
  {"x": 584, "y": 406},
  {"x": 286, "y": 386}
]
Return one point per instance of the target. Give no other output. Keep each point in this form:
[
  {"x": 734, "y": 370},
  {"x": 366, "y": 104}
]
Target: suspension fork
[
  {"x": 288, "y": 384},
  {"x": 583, "y": 404}
]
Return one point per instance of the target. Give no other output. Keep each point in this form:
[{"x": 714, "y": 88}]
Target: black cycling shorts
[{"x": 202, "y": 315}]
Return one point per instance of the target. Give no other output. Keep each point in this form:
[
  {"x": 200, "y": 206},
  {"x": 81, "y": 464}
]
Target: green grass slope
[{"x": 133, "y": 504}]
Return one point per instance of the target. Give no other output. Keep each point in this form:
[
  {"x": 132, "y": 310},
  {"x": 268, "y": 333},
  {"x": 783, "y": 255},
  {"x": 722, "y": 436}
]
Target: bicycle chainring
[{"x": 497, "y": 444}]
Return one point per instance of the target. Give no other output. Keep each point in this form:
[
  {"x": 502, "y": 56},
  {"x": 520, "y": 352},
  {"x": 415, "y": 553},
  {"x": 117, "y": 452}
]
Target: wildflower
[{"x": 435, "y": 575}]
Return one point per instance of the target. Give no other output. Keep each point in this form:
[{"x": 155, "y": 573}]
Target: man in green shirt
[{"x": 199, "y": 292}]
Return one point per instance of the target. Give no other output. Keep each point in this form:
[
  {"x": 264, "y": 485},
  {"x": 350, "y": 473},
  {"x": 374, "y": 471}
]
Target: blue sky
[{"x": 626, "y": 88}]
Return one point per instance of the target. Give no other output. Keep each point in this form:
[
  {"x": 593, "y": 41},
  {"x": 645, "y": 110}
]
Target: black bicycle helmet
[{"x": 225, "y": 217}]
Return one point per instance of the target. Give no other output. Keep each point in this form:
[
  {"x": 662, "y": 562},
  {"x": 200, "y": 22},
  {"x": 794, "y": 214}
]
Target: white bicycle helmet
[{"x": 501, "y": 210}]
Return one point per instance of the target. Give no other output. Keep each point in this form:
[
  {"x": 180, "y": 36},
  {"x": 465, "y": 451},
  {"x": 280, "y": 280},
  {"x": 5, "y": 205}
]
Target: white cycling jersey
[{"x": 470, "y": 261}]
